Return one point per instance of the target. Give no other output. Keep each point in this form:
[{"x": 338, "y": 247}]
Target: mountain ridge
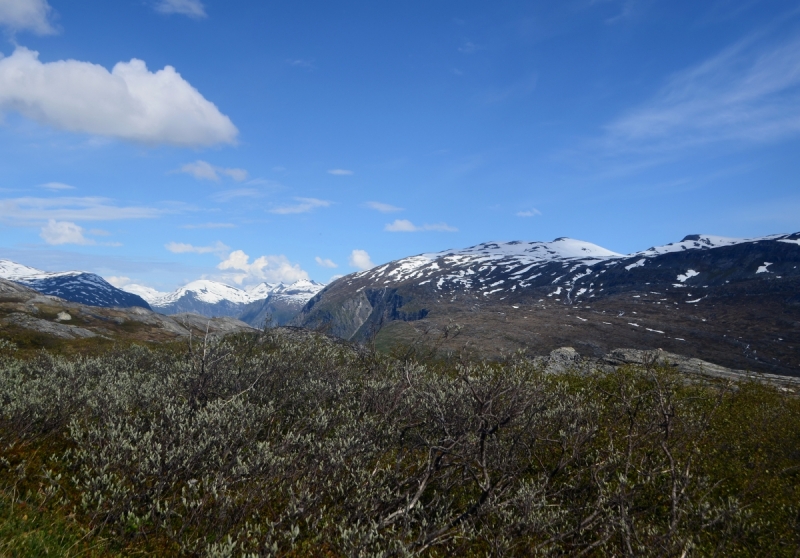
[
  {"x": 733, "y": 288},
  {"x": 77, "y": 286}
]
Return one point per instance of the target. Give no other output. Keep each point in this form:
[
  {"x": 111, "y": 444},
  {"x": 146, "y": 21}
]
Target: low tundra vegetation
[{"x": 289, "y": 444}]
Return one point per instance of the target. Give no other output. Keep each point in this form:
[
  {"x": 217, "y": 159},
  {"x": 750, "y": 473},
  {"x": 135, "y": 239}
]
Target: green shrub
[{"x": 291, "y": 444}]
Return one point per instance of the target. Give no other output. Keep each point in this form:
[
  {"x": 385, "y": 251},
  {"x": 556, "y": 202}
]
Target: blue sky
[{"x": 159, "y": 141}]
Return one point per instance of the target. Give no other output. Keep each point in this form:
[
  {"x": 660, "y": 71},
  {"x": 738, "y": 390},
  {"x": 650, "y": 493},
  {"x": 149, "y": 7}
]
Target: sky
[{"x": 160, "y": 141}]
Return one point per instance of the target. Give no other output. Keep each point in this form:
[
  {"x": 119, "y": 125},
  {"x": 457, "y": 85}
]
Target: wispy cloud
[
  {"x": 324, "y": 262},
  {"x": 210, "y": 226},
  {"x": 191, "y": 8},
  {"x": 301, "y": 63},
  {"x": 749, "y": 92},
  {"x": 304, "y": 206},
  {"x": 71, "y": 209},
  {"x": 217, "y": 248},
  {"x": 529, "y": 213},
  {"x": 203, "y": 170},
  {"x": 228, "y": 195},
  {"x": 404, "y": 225},
  {"x": 382, "y": 207},
  {"x": 340, "y": 172},
  {"x": 469, "y": 48},
  {"x": 56, "y": 186},
  {"x": 360, "y": 259}
]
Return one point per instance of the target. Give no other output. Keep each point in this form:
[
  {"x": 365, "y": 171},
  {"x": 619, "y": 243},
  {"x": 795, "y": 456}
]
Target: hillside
[
  {"x": 733, "y": 302},
  {"x": 75, "y": 286},
  {"x": 34, "y": 321}
]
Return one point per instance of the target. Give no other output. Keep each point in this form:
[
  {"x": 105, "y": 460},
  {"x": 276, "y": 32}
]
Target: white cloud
[
  {"x": 272, "y": 269},
  {"x": 63, "y": 232},
  {"x": 529, "y": 213},
  {"x": 118, "y": 281},
  {"x": 305, "y": 205},
  {"x": 340, "y": 172},
  {"x": 56, "y": 186},
  {"x": 469, "y": 48},
  {"x": 27, "y": 15},
  {"x": 325, "y": 262},
  {"x": 72, "y": 209},
  {"x": 382, "y": 207},
  {"x": 404, "y": 225},
  {"x": 217, "y": 248},
  {"x": 301, "y": 63},
  {"x": 749, "y": 92},
  {"x": 359, "y": 259},
  {"x": 191, "y": 8},
  {"x": 210, "y": 226},
  {"x": 203, "y": 170},
  {"x": 128, "y": 103},
  {"x": 228, "y": 195}
]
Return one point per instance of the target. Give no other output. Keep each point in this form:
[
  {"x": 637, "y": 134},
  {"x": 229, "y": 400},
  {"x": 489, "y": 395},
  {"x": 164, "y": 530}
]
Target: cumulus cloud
[
  {"x": 118, "y": 281},
  {"x": 404, "y": 225},
  {"x": 203, "y": 170},
  {"x": 27, "y": 15},
  {"x": 340, "y": 172},
  {"x": 217, "y": 248},
  {"x": 272, "y": 269},
  {"x": 129, "y": 103},
  {"x": 191, "y": 8},
  {"x": 63, "y": 232},
  {"x": 325, "y": 262},
  {"x": 304, "y": 206},
  {"x": 529, "y": 213},
  {"x": 359, "y": 259},
  {"x": 382, "y": 207}
]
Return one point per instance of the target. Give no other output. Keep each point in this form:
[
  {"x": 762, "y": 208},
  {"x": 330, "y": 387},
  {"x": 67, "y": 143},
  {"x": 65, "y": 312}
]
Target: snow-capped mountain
[
  {"x": 566, "y": 267},
  {"x": 282, "y": 305},
  {"x": 215, "y": 299},
  {"x": 74, "y": 286},
  {"x": 727, "y": 284}
]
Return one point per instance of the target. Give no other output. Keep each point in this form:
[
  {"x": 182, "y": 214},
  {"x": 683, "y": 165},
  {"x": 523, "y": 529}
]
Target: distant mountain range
[
  {"x": 732, "y": 302},
  {"x": 277, "y": 303},
  {"x": 735, "y": 302},
  {"x": 267, "y": 302}
]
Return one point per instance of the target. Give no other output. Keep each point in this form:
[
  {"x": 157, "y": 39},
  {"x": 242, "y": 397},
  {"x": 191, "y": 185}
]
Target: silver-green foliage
[{"x": 266, "y": 445}]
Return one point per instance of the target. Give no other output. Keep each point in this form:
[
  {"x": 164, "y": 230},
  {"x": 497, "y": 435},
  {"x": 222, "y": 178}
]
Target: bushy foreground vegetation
[{"x": 284, "y": 444}]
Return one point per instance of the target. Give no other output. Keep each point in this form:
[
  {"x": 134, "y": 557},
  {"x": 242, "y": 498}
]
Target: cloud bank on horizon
[{"x": 257, "y": 142}]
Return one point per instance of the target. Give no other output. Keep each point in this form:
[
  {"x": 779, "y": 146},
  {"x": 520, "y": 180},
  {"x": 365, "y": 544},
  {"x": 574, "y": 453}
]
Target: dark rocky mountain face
[
  {"x": 84, "y": 288},
  {"x": 734, "y": 303}
]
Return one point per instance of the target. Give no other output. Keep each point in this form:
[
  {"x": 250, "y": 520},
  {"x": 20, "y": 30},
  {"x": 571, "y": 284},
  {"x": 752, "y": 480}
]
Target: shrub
[{"x": 291, "y": 444}]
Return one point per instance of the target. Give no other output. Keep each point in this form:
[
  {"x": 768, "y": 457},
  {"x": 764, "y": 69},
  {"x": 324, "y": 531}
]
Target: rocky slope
[
  {"x": 75, "y": 286},
  {"x": 734, "y": 302},
  {"x": 25, "y": 312}
]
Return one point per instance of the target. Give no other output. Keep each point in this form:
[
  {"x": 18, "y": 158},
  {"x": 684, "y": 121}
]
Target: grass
[{"x": 29, "y": 531}]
